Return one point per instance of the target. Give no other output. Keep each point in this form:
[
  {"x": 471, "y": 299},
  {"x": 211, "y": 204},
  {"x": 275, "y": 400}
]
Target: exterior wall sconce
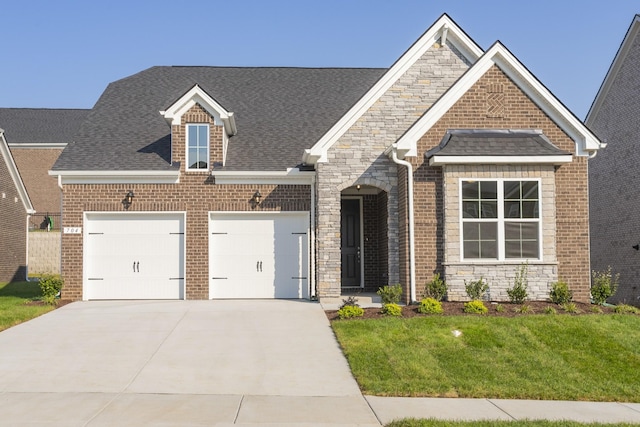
[
  {"x": 358, "y": 187},
  {"x": 128, "y": 199},
  {"x": 636, "y": 247},
  {"x": 256, "y": 199}
]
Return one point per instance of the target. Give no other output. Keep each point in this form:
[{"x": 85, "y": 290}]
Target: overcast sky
[{"x": 62, "y": 54}]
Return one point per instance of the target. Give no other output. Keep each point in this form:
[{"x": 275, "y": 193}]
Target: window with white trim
[
  {"x": 197, "y": 147},
  {"x": 500, "y": 219}
]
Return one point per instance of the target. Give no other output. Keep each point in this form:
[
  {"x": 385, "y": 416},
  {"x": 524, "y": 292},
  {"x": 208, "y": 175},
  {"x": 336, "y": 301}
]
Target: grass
[
  {"x": 13, "y": 307},
  {"x": 589, "y": 357},
  {"x": 522, "y": 423}
]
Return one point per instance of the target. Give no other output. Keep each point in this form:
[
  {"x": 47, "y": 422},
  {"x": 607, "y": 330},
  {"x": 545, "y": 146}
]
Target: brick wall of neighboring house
[
  {"x": 34, "y": 165},
  {"x": 358, "y": 158},
  {"x": 13, "y": 230},
  {"x": 516, "y": 111},
  {"x": 614, "y": 183},
  {"x": 193, "y": 195}
]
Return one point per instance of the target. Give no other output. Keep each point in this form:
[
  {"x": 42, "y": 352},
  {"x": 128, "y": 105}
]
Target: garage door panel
[{"x": 258, "y": 255}]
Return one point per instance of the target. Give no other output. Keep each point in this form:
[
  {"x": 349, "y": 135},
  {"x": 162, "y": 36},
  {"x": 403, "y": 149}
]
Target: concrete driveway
[{"x": 178, "y": 363}]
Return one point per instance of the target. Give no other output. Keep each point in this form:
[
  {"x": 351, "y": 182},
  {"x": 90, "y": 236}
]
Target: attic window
[{"x": 197, "y": 147}]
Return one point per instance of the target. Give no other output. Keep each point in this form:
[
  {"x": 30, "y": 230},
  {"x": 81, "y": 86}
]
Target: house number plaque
[{"x": 72, "y": 230}]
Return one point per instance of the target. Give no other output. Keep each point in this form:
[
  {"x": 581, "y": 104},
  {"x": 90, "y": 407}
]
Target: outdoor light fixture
[
  {"x": 358, "y": 187},
  {"x": 128, "y": 199},
  {"x": 257, "y": 198},
  {"x": 636, "y": 247}
]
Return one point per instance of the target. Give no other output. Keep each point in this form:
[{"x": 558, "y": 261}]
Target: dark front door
[{"x": 350, "y": 242}]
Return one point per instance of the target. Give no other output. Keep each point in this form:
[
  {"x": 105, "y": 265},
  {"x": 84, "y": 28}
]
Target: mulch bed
[
  {"x": 456, "y": 309},
  {"x": 59, "y": 302}
]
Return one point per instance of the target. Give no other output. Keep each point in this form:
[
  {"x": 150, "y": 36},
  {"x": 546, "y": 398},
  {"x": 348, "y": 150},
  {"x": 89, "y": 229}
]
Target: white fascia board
[
  {"x": 15, "y": 175},
  {"x": 196, "y": 95},
  {"x": 618, "y": 60},
  {"x": 499, "y": 160},
  {"x": 586, "y": 141},
  {"x": 291, "y": 176},
  {"x": 117, "y": 177},
  {"x": 455, "y": 35},
  {"x": 39, "y": 145}
]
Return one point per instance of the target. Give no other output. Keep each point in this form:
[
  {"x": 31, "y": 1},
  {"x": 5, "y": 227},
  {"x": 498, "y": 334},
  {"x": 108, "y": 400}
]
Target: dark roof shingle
[{"x": 41, "y": 125}]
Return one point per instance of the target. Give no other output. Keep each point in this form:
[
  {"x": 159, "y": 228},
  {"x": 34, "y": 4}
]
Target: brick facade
[
  {"x": 34, "y": 165},
  {"x": 13, "y": 230}
]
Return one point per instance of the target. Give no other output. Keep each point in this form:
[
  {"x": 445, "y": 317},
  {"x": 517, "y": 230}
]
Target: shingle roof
[
  {"x": 495, "y": 142},
  {"x": 41, "y": 125},
  {"x": 278, "y": 111}
]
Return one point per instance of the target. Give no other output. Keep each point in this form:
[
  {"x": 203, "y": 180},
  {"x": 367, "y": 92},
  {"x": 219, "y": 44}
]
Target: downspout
[
  {"x": 311, "y": 274},
  {"x": 26, "y": 270},
  {"x": 412, "y": 249}
]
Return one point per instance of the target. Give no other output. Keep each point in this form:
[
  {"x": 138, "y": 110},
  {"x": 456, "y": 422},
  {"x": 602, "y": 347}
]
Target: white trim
[
  {"x": 455, "y": 36},
  {"x": 290, "y": 176},
  {"x": 186, "y": 148},
  {"x": 15, "y": 175},
  {"x": 116, "y": 177},
  {"x": 196, "y": 95},
  {"x": 586, "y": 142},
  {"x": 616, "y": 64},
  {"x": 39, "y": 145},
  {"x": 499, "y": 160},
  {"x": 361, "y": 200},
  {"x": 500, "y": 220}
]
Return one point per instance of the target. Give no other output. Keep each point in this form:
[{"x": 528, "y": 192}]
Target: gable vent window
[{"x": 197, "y": 147}]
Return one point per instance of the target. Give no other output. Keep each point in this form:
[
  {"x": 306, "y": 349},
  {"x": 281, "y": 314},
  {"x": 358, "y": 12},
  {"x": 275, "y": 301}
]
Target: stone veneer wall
[
  {"x": 358, "y": 158},
  {"x": 44, "y": 252},
  {"x": 499, "y": 276}
]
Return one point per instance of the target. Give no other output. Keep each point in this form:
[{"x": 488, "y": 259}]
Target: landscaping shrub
[
  {"x": 436, "y": 288},
  {"x": 626, "y": 309},
  {"x": 475, "y": 307},
  {"x": 50, "y": 284},
  {"x": 524, "y": 309},
  {"x": 518, "y": 293},
  {"x": 392, "y": 309},
  {"x": 560, "y": 293},
  {"x": 349, "y": 311},
  {"x": 390, "y": 294},
  {"x": 603, "y": 285},
  {"x": 570, "y": 307},
  {"x": 476, "y": 289},
  {"x": 350, "y": 301},
  {"x": 550, "y": 310},
  {"x": 430, "y": 306},
  {"x": 500, "y": 308}
]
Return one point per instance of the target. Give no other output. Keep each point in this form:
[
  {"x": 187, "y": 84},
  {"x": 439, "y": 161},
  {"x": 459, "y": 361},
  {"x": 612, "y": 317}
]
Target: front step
[{"x": 364, "y": 300}]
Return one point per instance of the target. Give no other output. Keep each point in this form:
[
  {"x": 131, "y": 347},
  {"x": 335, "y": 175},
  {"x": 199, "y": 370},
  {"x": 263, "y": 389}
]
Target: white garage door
[
  {"x": 134, "y": 256},
  {"x": 259, "y": 255}
]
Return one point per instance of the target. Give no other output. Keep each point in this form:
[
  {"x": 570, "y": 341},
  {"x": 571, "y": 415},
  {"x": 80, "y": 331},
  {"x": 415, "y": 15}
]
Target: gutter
[{"x": 412, "y": 247}]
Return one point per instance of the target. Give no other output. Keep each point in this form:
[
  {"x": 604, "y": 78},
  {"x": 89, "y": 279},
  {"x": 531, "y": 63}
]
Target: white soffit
[
  {"x": 291, "y": 176},
  {"x": 444, "y": 26},
  {"x": 499, "y": 160},
  {"x": 618, "y": 60},
  {"x": 117, "y": 177},
  {"x": 196, "y": 95},
  {"x": 15, "y": 175},
  {"x": 586, "y": 142}
]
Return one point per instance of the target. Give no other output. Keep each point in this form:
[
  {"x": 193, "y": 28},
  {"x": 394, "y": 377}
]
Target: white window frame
[
  {"x": 500, "y": 220},
  {"x": 188, "y": 162}
]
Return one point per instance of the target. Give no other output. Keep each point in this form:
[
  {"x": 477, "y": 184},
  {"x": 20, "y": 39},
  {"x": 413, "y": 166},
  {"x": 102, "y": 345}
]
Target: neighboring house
[
  {"x": 36, "y": 137},
  {"x": 15, "y": 211},
  {"x": 614, "y": 184},
  {"x": 208, "y": 182}
]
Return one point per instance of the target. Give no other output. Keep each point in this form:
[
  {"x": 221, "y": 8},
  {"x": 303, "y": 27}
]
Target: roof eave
[{"x": 443, "y": 160}]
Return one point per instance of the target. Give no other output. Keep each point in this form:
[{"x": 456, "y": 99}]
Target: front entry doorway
[{"x": 351, "y": 242}]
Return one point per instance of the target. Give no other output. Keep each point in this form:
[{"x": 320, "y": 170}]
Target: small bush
[
  {"x": 560, "y": 293},
  {"x": 596, "y": 309},
  {"x": 475, "y": 307},
  {"x": 392, "y": 309},
  {"x": 436, "y": 288},
  {"x": 50, "y": 284},
  {"x": 518, "y": 293},
  {"x": 476, "y": 289},
  {"x": 390, "y": 294},
  {"x": 603, "y": 285},
  {"x": 570, "y": 307},
  {"x": 500, "y": 308},
  {"x": 430, "y": 306},
  {"x": 550, "y": 310},
  {"x": 524, "y": 309},
  {"x": 350, "y": 301},
  {"x": 349, "y": 311},
  {"x": 626, "y": 309}
]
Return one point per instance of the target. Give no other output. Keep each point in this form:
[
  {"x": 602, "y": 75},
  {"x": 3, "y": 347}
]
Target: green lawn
[
  {"x": 13, "y": 307},
  {"x": 554, "y": 357},
  {"x": 438, "y": 423}
]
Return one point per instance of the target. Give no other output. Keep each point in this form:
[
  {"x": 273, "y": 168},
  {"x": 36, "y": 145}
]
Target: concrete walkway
[{"x": 212, "y": 363}]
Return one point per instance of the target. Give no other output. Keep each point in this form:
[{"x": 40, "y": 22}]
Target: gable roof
[
  {"x": 278, "y": 112},
  {"x": 614, "y": 68},
  {"x": 586, "y": 142},
  {"x": 41, "y": 126},
  {"x": 444, "y": 29},
  {"x": 5, "y": 153}
]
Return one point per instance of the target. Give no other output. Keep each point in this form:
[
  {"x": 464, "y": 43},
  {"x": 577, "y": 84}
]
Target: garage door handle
[{"x": 136, "y": 266}]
